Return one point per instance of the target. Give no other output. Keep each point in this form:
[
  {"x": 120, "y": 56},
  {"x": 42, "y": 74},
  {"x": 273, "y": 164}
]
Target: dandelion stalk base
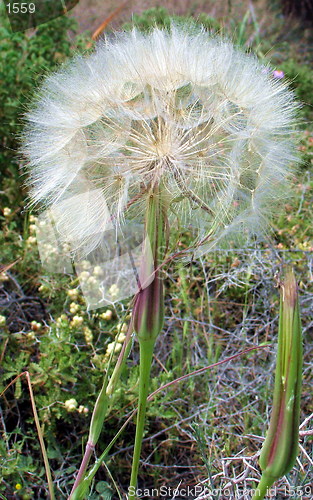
[
  {"x": 146, "y": 354},
  {"x": 263, "y": 487}
]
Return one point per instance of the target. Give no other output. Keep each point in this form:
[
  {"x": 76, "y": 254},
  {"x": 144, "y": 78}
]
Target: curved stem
[{"x": 146, "y": 353}]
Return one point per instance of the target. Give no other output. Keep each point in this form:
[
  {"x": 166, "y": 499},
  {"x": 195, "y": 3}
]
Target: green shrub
[{"x": 26, "y": 57}]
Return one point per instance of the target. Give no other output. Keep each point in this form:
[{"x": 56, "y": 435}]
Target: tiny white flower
[{"x": 2, "y": 320}]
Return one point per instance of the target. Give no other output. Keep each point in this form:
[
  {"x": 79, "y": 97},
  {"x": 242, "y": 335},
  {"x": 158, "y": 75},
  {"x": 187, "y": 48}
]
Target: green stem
[
  {"x": 146, "y": 354},
  {"x": 263, "y": 487},
  {"x": 82, "y": 489}
]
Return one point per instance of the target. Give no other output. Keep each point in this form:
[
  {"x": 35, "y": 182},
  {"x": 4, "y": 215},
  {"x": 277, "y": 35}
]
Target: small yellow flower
[
  {"x": 85, "y": 265},
  {"x": 92, "y": 281},
  {"x": 32, "y": 228},
  {"x": 71, "y": 405},
  {"x": 73, "y": 293},
  {"x": 31, "y": 240},
  {"x": 98, "y": 271},
  {"x": 121, "y": 337},
  {"x": 116, "y": 347},
  {"x": 18, "y": 486},
  {"x": 84, "y": 276},
  {"x": 107, "y": 315},
  {"x": 32, "y": 219},
  {"x": 74, "y": 308},
  {"x": 88, "y": 335},
  {"x": 77, "y": 320},
  {"x": 83, "y": 409},
  {"x": 114, "y": 291},
  {"x": 35, "y": 326},
  {"x": 123, "y": 328},
  {"x": 61, "y": 319},
  {"x": 7, "y": 212}
]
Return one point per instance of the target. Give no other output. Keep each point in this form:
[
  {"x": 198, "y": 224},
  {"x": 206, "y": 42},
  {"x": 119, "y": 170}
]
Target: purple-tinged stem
[{"x": 83, "y": 466}]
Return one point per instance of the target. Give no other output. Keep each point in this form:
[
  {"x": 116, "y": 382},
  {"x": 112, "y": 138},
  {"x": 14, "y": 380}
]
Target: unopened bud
[
  {"x": 148, "y": 313},
  {"x": 280, "y": 448}
]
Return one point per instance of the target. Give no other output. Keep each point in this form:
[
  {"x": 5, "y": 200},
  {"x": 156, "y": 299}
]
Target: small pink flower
[{"x": 278, "y": 73}]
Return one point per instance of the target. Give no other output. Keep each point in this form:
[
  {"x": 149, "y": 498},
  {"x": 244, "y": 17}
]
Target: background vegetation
[{"x": 206, "y": 429}]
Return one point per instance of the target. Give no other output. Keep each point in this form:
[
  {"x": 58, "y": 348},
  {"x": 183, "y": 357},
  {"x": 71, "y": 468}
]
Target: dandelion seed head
[{"x": 185, "y": 111}]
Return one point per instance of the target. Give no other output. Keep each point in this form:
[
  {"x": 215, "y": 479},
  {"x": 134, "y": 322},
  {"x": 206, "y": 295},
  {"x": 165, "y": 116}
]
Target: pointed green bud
[
  {"x": 98, "y": 416},
  {"x": 280, "y": 448}
]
